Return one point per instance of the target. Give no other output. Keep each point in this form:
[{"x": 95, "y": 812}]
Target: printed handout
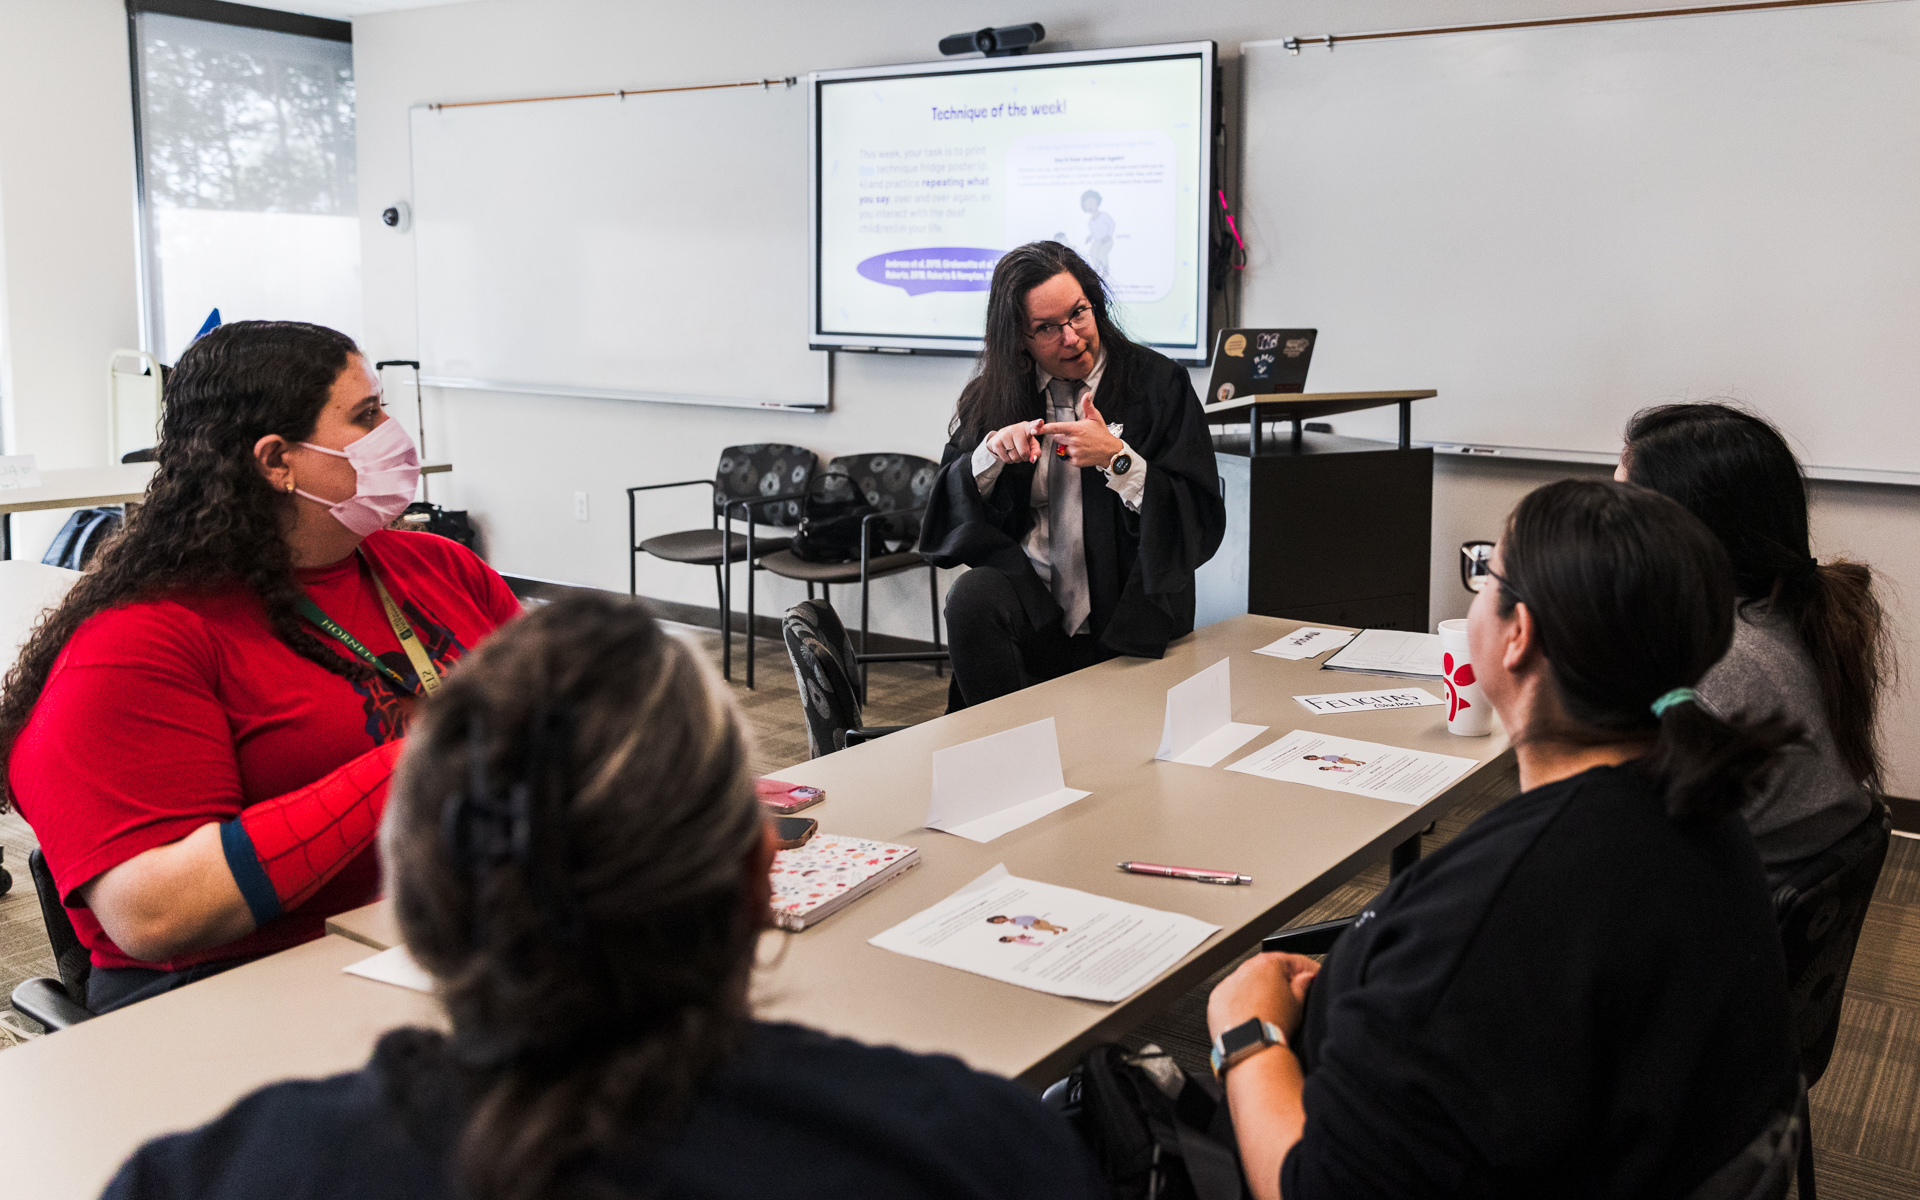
[
  {"x": 1389, "y": 652},
  {"x": 1339, "y": 702},
  {"x": 1051, "y": 939},
  {"x": 1200, "y": 729},
  {"x": 1361, "y": 768},
  {"x": 1308, "y": 642}
]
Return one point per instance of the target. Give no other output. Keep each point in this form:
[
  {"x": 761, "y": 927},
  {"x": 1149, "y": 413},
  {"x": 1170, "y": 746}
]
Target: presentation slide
[{"x": 926, "y": 179}]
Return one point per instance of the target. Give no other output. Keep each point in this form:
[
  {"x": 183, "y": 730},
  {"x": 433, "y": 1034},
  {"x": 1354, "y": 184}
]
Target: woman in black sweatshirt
[{"x": 1583, "y": 994}]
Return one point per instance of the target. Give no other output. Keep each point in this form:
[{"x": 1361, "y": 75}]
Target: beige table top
[
  {"x": 1297, "y": 842},
  {"x": 122, "y": 483},
  {"x": 80, "y": 487},
  {"x": 76, "y": 1103}
]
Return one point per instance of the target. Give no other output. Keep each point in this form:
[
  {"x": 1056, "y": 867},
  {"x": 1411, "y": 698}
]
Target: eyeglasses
[
  {"x": 1081, "y": 318},
  {"x": 1476, "y": 569}
]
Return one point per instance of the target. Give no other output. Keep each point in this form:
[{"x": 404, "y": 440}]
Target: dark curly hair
[{"x": 209, "y": 518}]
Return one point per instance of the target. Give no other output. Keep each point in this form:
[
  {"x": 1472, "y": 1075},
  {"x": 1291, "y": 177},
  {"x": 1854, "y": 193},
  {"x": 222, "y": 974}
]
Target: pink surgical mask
[{"x": 386, "y": 470}]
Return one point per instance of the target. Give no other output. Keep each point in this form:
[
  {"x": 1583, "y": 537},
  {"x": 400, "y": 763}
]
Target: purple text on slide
[{"x": 934, "y": 269}]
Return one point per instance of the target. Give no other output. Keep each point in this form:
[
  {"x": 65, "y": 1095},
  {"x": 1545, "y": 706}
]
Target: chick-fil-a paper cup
[{"x": 1468, "y": 713}]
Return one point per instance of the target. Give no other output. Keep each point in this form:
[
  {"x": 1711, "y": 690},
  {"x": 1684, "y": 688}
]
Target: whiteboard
[
  {"x": 1556, "y": 227},
  {"x": 636, "y": 248}
]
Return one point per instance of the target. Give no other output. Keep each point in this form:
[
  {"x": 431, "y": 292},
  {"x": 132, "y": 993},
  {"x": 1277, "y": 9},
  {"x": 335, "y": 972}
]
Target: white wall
[
  {"x": 520, "y": 459},
  {"x": 68, "y": 291}
]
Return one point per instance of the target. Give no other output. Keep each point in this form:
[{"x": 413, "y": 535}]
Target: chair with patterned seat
[
  {"x": 761, "y": 484},
  {"x": 897, "y": 486}
]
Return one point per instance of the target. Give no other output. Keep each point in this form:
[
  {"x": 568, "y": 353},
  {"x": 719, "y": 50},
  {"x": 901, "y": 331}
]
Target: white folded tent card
[
  {"x": 994, "y": 784},
  {"x": 1200, "y": 729}
]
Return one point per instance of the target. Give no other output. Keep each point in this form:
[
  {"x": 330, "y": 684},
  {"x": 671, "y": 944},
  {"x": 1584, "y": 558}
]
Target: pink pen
[{"x": 1197, "y": 874}]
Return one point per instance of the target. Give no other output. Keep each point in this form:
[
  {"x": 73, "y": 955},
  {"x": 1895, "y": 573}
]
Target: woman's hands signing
[{"x": 1087, "y": 442}]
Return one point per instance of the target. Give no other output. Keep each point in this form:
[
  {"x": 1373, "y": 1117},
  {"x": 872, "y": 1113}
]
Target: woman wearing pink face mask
[{"x": 201, "y": 734}]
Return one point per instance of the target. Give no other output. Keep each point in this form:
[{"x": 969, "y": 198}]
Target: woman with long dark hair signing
[
  {"x": 1079, "y": 485},
  {"x": 1583, "y": 993},
  {"x": 1810, "y": 639},
  {"x": 201, "y": 734},
  {"x": 577, "y": 857}
]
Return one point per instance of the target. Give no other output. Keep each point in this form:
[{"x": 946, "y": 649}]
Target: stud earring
[{"x": 289, "y": 487}]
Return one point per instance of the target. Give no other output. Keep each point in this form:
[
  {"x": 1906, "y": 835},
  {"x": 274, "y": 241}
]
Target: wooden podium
[{"x": 1333, "y": 530}]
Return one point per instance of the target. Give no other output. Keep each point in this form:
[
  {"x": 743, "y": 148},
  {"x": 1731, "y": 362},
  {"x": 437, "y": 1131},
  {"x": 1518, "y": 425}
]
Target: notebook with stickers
[
  {"x": 814, "y": 881},
  {"x": 1259, "y": 362}
]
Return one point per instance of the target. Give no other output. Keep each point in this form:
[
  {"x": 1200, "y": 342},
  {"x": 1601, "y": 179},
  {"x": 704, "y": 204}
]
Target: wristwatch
[
  {"x": 1244, "y": 1041},
  {"x": 1119, "y": 464}
]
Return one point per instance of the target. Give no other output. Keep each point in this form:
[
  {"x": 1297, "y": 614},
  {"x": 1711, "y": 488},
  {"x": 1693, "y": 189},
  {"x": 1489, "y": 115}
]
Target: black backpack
[
  {"x": 86, "y": 530},
  {"x": 452, "y": 524},
  {"x": 830, "y": 520},
  {"x": 1156, "y": 1131}
]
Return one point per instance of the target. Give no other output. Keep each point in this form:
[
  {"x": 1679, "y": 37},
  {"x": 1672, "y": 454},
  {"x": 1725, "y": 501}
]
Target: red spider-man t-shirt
[{"x": 163, "y": 715}]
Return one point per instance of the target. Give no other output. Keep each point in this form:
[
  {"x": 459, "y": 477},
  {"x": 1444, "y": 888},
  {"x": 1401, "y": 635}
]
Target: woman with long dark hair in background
[
  {"x": 1583, "y": 993},
  {"x": 1079, "y": 486},
  {"x": 201, "y": 733},
  {"x": 576, "y": 855},
  {"x": 1811, "y": 639}
]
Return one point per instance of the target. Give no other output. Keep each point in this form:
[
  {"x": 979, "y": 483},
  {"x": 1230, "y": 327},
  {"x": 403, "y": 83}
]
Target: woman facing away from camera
[
  {"x": 201, "y": 733},
  {"x": 1583, "y": 994},
  {"x": 576, "y": 855},
  {"x": 1810, "y": 639}
]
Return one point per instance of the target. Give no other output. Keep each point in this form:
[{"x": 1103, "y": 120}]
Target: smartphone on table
[
  {"x": 790, "y": 833},
  {"x": 787, "y": 798}
]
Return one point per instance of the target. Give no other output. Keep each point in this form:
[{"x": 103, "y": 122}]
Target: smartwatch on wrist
[
  {"x": 1244, "y": 1041},
  {"x": 1120, "y": 463}
]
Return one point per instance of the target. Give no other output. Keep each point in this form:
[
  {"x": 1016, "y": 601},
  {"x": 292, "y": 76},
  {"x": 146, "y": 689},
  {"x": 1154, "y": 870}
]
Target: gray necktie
[{"x": 1066, "y": 550}]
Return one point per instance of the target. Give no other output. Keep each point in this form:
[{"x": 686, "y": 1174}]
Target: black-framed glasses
[
  {"x": 1081, "y": 318},
  {"x": 1476, "y": 566}
]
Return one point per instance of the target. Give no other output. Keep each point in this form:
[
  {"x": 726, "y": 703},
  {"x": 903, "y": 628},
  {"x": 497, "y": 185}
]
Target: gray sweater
[{"x": 1811, "y": 801}]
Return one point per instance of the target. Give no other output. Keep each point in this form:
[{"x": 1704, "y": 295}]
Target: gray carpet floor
[{"x": 1866, "y": 1111}]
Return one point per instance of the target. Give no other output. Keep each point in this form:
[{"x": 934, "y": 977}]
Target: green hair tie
[{"x": 1676, "y": 696}]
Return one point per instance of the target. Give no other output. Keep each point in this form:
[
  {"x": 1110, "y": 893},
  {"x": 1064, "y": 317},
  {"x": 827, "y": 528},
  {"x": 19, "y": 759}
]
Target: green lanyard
[{"x": 416, "y": 654}]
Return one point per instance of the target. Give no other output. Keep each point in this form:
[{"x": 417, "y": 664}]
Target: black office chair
[
  {"x": 823, "y": 665},
  {"x": 1821, "y": 908},
  {"x": 897, "y": 486},
  {"x": 55, "y": 1003},
  {"x": 760, "y": 483}
]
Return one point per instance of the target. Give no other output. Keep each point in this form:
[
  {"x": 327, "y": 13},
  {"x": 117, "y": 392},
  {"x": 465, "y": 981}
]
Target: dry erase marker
[{"x": 1197, "y": 874}]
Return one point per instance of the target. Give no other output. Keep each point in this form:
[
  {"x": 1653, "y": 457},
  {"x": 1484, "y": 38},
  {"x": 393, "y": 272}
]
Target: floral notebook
[{"x": 816, "y": 880}]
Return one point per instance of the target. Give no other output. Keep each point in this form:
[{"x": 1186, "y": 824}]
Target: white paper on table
[
  {"x": 986, "y": 787},
  {"x": 1389, "y": 652},
  {"x": 1309, "y": 642},
  {"x": 1361, "y": 768},
  {"x": 393, "y": 965},
  {"x": 18, "y": 471},
  {"x": 1339, "y": 702},
  {"x": 1052, "y": 939},
  {"x": 1200, "y": 729}
]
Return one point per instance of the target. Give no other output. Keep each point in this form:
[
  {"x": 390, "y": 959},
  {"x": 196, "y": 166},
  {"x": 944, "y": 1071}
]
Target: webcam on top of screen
[{"x": 995, "y": 43}]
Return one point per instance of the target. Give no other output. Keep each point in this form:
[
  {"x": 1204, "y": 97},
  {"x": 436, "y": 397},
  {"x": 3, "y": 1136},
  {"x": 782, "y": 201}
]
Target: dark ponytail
[
  {"x": 565, "y": 848},
  {"x": 1734, "y": 471},
  {"x": 1632, "y": 599}
]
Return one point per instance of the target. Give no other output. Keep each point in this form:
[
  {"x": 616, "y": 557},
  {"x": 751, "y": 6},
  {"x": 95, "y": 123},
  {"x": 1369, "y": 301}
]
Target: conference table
[
  {"x": 76, "y": 1102},
  {"x": 1298, "y": 842}
]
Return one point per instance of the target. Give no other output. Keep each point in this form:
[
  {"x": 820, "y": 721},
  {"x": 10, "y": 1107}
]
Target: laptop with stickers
[{"x": 1259, "y": 362}]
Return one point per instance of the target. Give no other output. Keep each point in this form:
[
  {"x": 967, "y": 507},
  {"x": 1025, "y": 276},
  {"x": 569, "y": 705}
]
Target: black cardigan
[
  {"x": 1575, "y": 997},
  {"x": 1139, "y": 565}
]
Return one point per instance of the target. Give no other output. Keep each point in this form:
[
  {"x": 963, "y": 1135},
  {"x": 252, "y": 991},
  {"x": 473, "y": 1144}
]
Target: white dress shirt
[{"x": 1129, "y": 486}]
